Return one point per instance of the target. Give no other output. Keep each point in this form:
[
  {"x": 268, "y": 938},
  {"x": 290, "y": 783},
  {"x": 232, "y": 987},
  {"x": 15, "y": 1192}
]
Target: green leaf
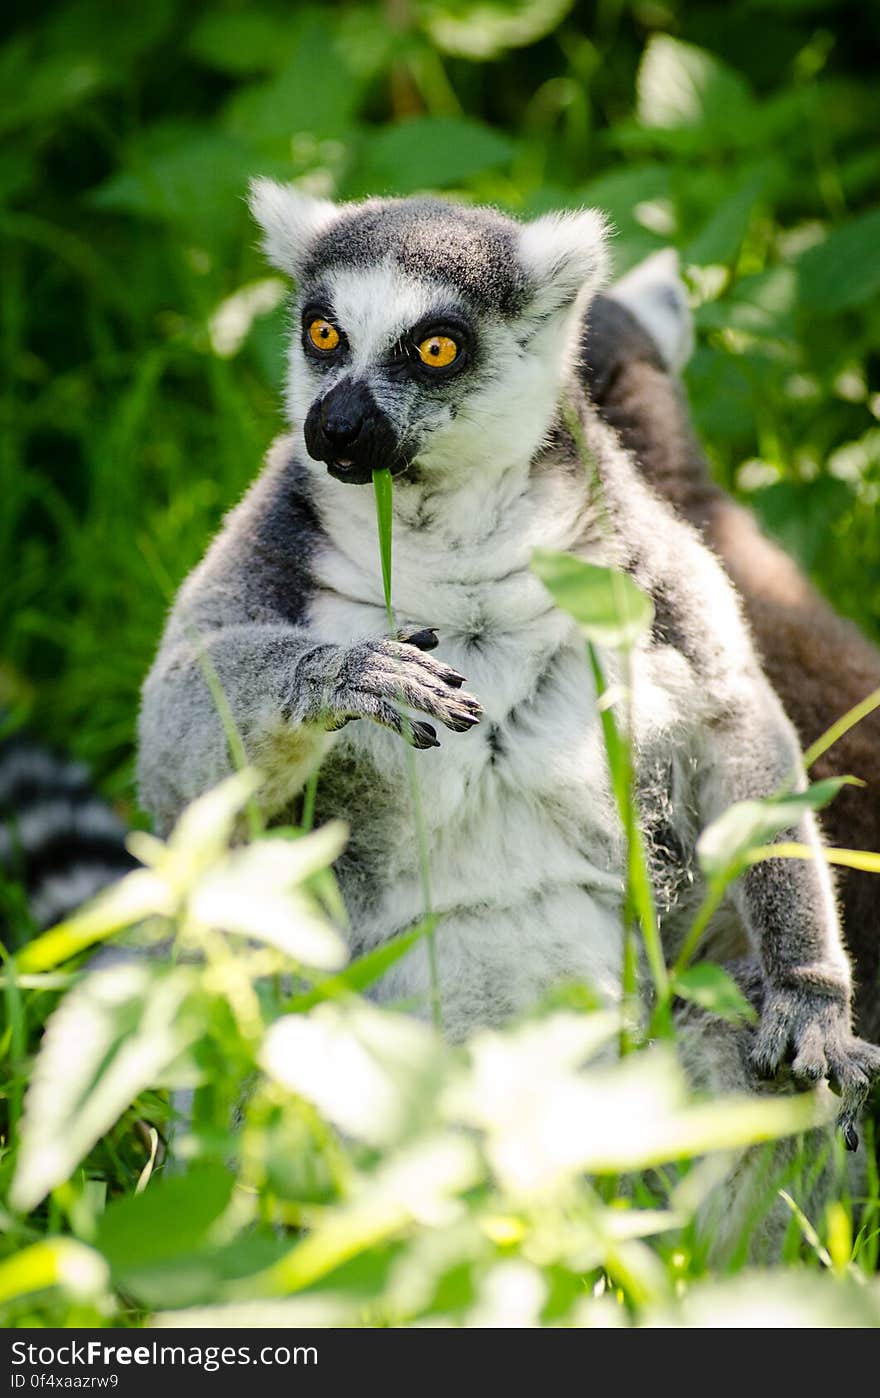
[
  {"x": 720, "y": 238},
  {"x": 172, "y": 1217},
  {"x": 369, "y": 1071},
  {"x": 255, "y": 892},
  {"x": 115, "y": 1034},
  {"x": 428, "y": 153},
  {"x": 610, "y": 608},
  {"x": 181, "y": 174},
  {"x": 136, "y": 896},
  {"x": 713, "y": 989},
  {"x": 241, "y": 41},
  {"x": 383, "y": 488},
  {"x": 363, "y": 972},
  {"x": 315, "y": 94},
  {"x": 844, "y": 271},
  {"x": 748, "y": 825},
  {"x": 61, "y": 1262}
]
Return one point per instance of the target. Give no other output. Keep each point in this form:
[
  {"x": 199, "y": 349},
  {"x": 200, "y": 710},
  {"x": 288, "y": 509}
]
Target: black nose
[{"x": 342, "y": 415}]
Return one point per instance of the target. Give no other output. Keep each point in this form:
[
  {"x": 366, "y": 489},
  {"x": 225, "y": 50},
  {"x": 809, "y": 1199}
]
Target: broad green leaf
[
  {"x": 170, "y": 1218},
  {"x": 747, "y": 825},
  {"x": 844, "y": 270},
  {"x": 315, "y": 93},
  {"x": 241, "y": 41},
  {"x": 417, "y": 1184},
  {"x": 116, "y": 1033},
  {"x": 720, "y": 238},
  {"x": 713, "y": 989},
  {"x": 428, "y": 153},
  {"x": 367, "y": 1070},
  {"x": 610, "y": 608},
  {"x": 138, "y": 895},
  {"x": 181, "y": 174},
  {"x": 255, "y": 893}
]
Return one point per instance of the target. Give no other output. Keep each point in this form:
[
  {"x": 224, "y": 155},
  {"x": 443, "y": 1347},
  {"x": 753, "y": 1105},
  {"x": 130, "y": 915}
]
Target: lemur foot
[
  {"x": 375, "y": 677},
  {"x": 810, "y": 1032}
]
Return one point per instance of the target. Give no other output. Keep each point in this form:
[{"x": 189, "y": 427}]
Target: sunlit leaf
[
  {"x": 116, "y": 1033},
  {"x": 136, "y": 896},
  {"x": 680, "y": 85},
  {"x": 368, "y": 1071},
  {"x": 255, "y": 892},
  {"x": 714, "y": 989},
  {"x": 749, "y": 824},
  {"x": 61, "y": 1262},
  {"x": 483, "y": 29},
  {"x": 610, "y": 608}
]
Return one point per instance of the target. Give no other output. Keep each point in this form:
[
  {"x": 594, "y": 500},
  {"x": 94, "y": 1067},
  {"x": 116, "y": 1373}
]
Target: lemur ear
[
  {"x": 290, "y": 219},
  {"x": 566, "y": 256}
]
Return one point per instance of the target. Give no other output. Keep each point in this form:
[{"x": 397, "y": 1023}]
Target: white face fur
[{"x": 390, "y": 276}]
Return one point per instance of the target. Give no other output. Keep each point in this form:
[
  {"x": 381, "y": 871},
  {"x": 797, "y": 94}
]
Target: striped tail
[{"x": 60, "y": 843}]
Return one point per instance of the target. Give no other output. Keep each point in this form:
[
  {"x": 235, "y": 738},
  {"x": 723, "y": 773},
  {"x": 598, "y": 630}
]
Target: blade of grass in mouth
[{"x": 382, "y": 488}]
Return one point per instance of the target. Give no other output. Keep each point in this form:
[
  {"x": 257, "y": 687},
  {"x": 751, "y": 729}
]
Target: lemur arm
[
  {"x": 787, "y": 905},
  {"x": 241, "y": 623},
  {"x": 745, "y": 748}
]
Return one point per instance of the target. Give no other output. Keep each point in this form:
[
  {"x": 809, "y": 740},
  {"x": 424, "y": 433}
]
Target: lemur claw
[{"x": 424, "y": 638}]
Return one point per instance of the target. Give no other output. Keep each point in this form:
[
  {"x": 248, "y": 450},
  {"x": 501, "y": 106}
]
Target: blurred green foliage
[{"x": 141, "y": 337}]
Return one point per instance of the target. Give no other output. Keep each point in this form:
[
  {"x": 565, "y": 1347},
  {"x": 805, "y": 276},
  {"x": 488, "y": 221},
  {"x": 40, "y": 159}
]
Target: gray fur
[
  {"x": 474, "y": 248},
  {"x": 526, "y": 851}
]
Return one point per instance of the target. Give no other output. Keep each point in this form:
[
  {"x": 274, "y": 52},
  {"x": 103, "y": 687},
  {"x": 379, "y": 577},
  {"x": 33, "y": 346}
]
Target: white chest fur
[{"x": 525, "y": 849}]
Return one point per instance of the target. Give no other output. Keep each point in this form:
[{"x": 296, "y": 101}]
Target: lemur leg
[{"x": 787, "y": 907}]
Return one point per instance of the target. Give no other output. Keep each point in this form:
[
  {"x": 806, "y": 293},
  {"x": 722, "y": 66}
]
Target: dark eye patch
[
  {"x": 321, "y": 310},
  {"x": 404, "y": 359}
]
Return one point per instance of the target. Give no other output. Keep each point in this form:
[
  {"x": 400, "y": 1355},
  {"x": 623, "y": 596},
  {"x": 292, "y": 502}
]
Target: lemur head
[{"x": 429, "y": 337}]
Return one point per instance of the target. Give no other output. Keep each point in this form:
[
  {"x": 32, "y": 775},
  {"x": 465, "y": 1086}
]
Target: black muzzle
[{"x": 348, "y": 431}]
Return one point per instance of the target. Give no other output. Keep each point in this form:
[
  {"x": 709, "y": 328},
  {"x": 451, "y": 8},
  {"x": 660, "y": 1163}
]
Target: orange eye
[
  {"x": 323, "y": 335},
  {"x": 438, "y": 351}
]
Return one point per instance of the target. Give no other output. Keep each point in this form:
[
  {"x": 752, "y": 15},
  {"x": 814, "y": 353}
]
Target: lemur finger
[
  {"x": 844, "y": 1073},
  {"x": 453, "y": 709},
  {"x": 415, "y": 658},
  {"x": 867, "y": 1056},
  {"x": 809, "y": 1062},
  {"x": 418, "y": 735},
  {"x": 771, "y": 1042},
  {"x": 853, "y": 1085}
]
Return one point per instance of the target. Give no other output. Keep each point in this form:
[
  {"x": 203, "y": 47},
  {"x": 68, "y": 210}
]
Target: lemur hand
[
  {"x": 809, "y": 1031},
  {"x": 374, "y": 678}
]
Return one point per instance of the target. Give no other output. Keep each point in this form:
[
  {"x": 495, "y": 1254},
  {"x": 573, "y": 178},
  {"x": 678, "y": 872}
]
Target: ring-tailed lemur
[
  {"x": 636, "y": 338},
  {"x": 439, "y": 341}
]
